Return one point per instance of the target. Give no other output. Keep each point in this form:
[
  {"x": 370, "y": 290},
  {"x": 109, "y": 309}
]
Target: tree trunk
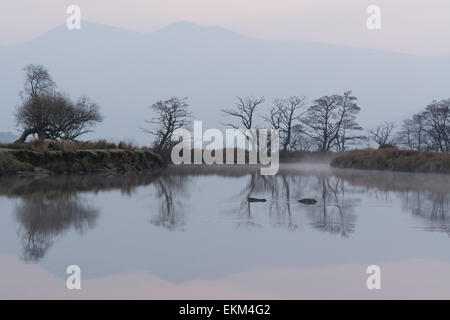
[{"x": 24, "y": 136}]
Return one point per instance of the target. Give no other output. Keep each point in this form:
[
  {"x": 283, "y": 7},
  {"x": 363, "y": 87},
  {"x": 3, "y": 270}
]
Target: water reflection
[
  {"x": 334, "y": 213},
  {"x": 337, "y": 213},
  {"x": 171, "y": 191},
  {"x": 43, "y": 220},
  {"x": 47, "y": 208},
  {"x": 425, "y": 196},
  {"x": 432, "y": 207}
]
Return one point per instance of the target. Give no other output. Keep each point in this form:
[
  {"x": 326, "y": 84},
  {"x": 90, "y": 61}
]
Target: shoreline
[
  {"x": 22, "y": 162},
  {"x": 28, "y": 162}
]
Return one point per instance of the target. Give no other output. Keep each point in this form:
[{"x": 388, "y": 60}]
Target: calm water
[{"x": 192, "y": 233}]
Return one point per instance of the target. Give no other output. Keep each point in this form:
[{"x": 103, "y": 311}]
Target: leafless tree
[
  {"x": 331, "y": 119},
  {"x": 37, "y": 82},
  {"x": 286, "y": 115},
  {"x": 413, "y": 134},
  {"x": 382, "y": 135},
  {"x": 171, "y": 114},
  {"x": 346, "y": 124},
  {"x": 244, "y": 113},
  {"x": 437, "y": 120},
  {"x": 320, "y": 117},
  {"x": 50, "y": 114},
  {"x": 31, "y": 114}
]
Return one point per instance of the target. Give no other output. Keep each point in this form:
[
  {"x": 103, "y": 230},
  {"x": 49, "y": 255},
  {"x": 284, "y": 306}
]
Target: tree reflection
[
  {"x": 334, "y": 213},
  {"x": 42, "y": 221},
  {"x": 433, "y": 207},
  {"x": 47, "y": 207},
  {"x": 170, "y": 190},
  {"x": 425, "y": 196},
  {"x": 255, "y": 183}
]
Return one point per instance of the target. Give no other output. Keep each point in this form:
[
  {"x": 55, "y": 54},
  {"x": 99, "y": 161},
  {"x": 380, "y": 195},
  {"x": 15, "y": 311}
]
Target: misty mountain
[{"x": 125, "y": 72}]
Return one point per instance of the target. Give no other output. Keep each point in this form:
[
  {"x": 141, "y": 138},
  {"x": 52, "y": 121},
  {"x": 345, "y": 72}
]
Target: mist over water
[{"x": 199, "y": 217}]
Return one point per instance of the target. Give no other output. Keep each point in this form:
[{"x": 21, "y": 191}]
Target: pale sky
[{"x": 415, "y": 26}]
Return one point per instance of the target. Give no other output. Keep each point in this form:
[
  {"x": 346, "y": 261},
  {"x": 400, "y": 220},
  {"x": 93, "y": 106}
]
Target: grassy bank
[
  {"x": 10, "y": 165},
  {"x": 394, "y": 160},
  {"x": 75, "y": 159}
]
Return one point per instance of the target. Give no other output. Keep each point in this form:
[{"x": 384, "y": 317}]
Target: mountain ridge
[{"x": 180, "y": 25}]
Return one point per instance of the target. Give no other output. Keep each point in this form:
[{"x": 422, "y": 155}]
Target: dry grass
[
  {"x": 394, "y": 159},
  {"x": 76, "y": 157},
  {"x": 51, "y": 145},
  {"x": 9, "y": 165}
]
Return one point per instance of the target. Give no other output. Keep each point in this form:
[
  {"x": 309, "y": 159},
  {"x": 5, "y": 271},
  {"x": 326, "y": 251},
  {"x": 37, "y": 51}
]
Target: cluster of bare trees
[
  {"x": 48, "y": 113},
  {"x": 428, "y": 130},
  {"x": 332, "y": 120},
  {"x": 328, "y": 124}
]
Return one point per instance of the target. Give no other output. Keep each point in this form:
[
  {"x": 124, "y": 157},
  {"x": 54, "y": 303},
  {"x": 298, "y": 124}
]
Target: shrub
[{"x": 393, "y": 159}]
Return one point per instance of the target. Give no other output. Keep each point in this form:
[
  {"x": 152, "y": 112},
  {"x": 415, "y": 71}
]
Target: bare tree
[
  {"x": 244, "y": 112},
  {"x": 331, "y": 119},
  {"x": 37, "y": 82},
  {"x": 74, "y": 119},
  {"x": 286, "y": 115},
  {"x": 171, "y": 114},
  {"x": 437, "y": 119},
  {"x": 382, "y": 134},
  {"x": 346, "y": 124},
  {"x": 414, "y": 135},
  {"x": 50, "y": 114}
]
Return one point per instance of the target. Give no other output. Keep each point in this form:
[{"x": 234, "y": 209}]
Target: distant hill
[
  {"x": 125, "y": 72},
  {"x": 7, "y": 137}
]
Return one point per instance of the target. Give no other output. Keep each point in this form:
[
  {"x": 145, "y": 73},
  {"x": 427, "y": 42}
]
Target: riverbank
[
  {"x": 82, "y": 161},
  {"x": 394, "y": 160}
]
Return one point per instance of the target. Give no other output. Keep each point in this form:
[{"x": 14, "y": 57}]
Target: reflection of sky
[
  {"x": 209, "y": 245},
  {"x": 408, "y": 279}
]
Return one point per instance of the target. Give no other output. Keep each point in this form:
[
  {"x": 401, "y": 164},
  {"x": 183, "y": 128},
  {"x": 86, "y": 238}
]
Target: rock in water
[
  {"x": 308, "y": 201},
  {"x": 256, "y": 200}
]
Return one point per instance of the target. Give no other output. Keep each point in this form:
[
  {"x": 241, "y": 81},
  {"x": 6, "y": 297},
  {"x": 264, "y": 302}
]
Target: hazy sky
[{"x": 416, "y": 26}]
